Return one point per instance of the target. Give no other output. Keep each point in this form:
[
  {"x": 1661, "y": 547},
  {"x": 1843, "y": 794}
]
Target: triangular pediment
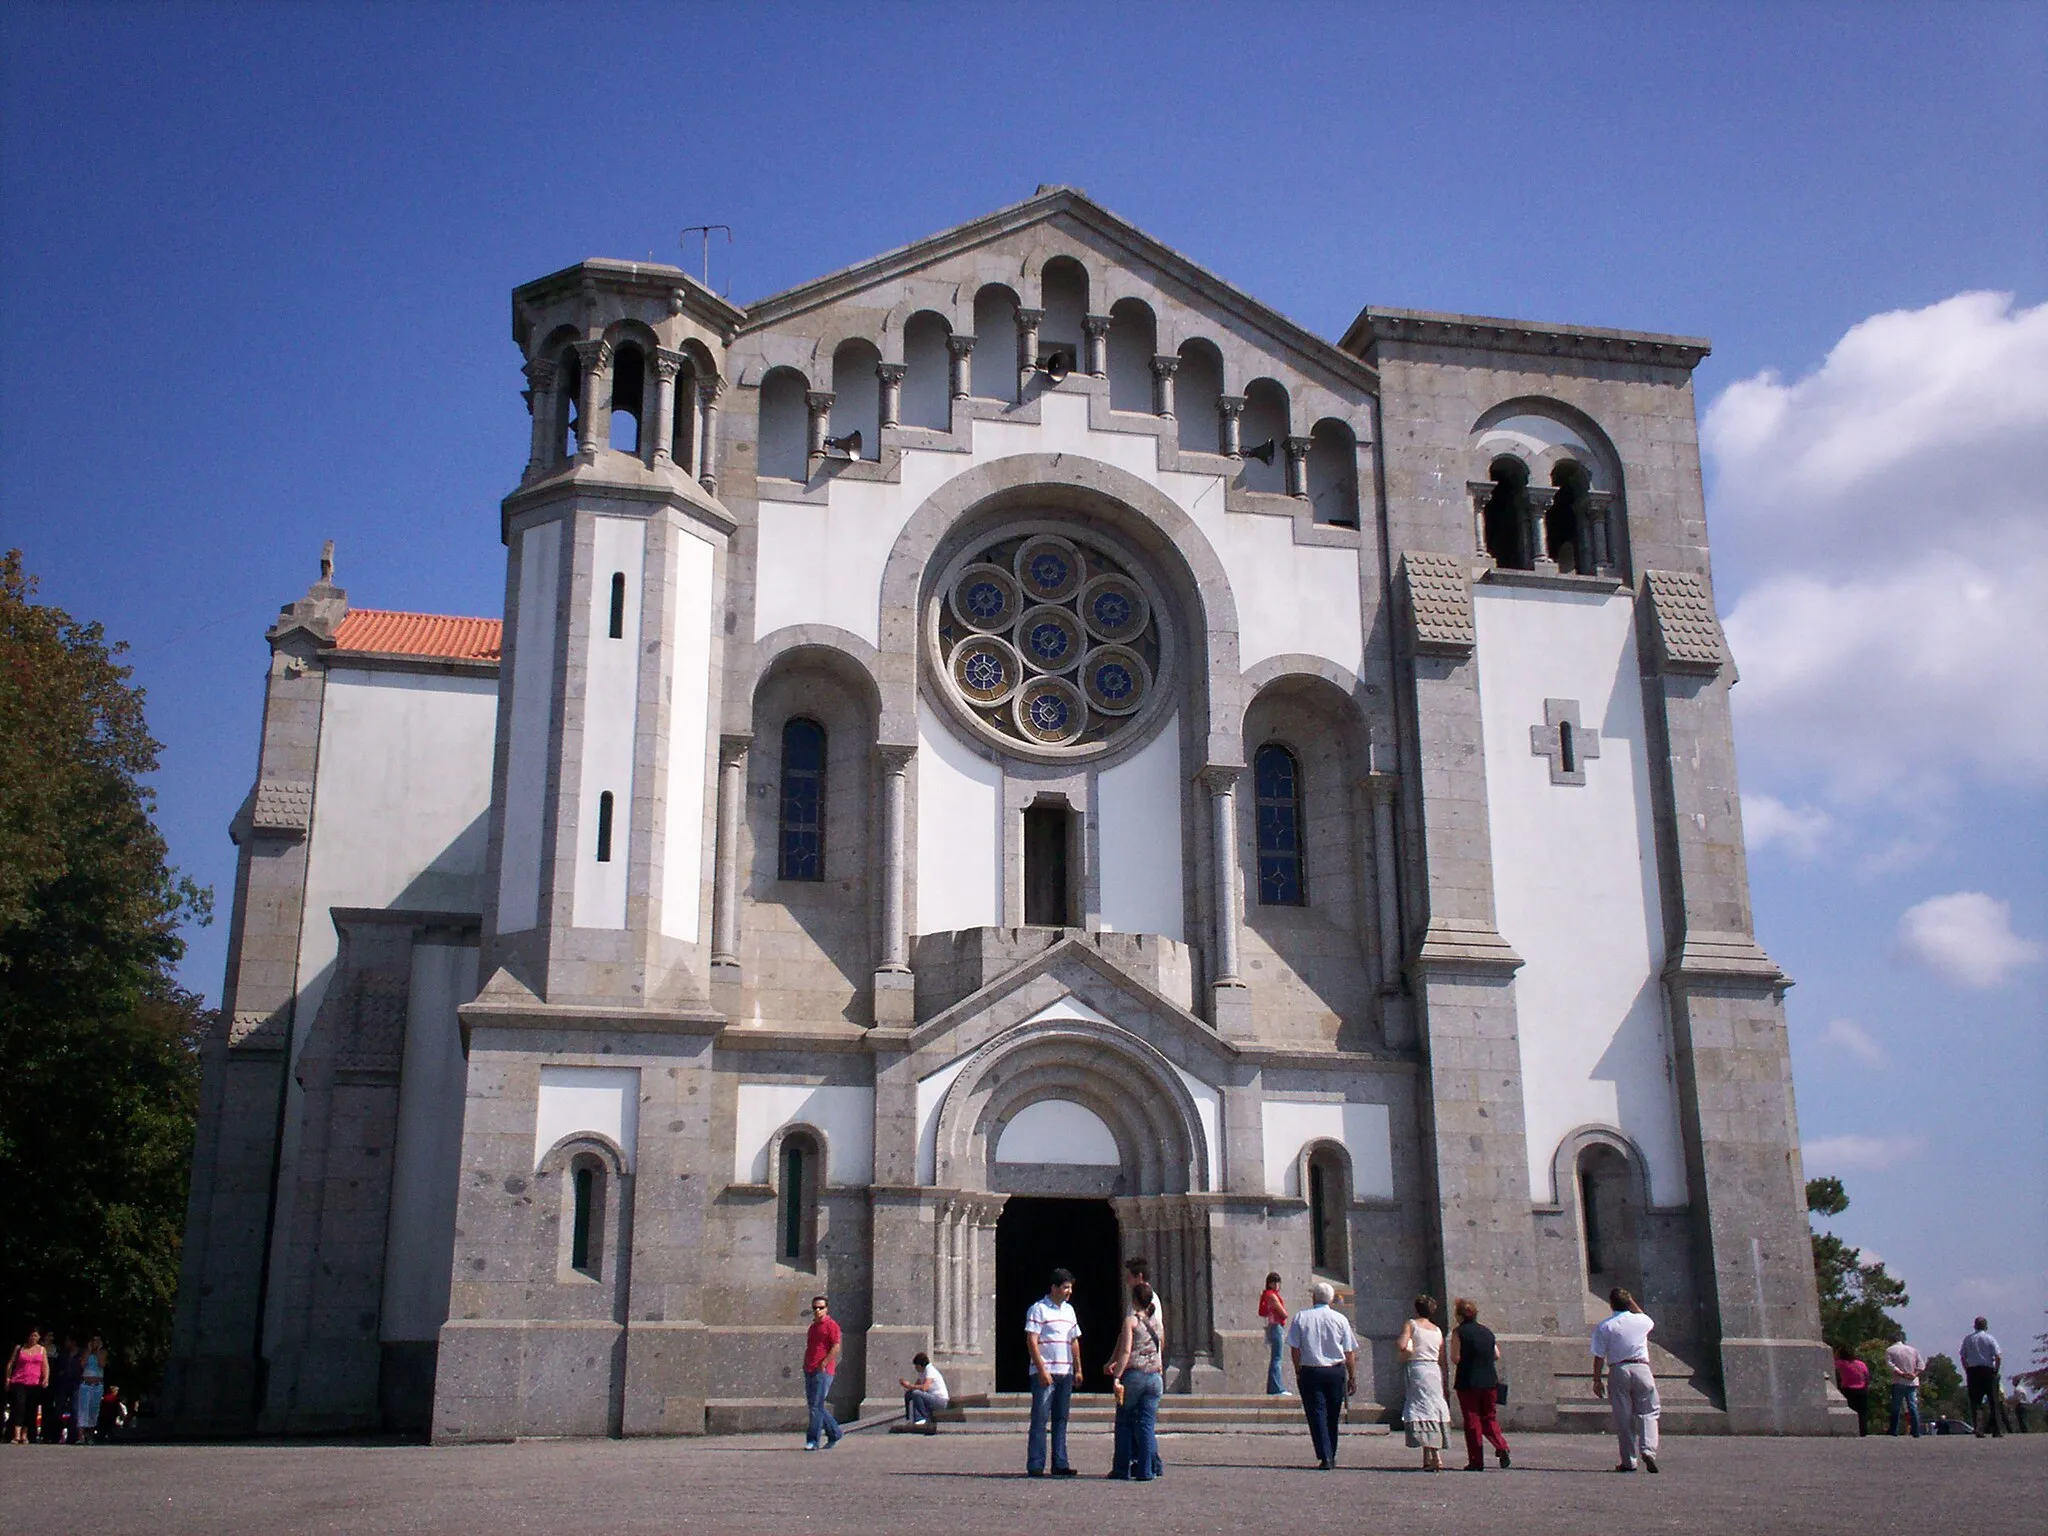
[
  {"x": 1096, "y": 225},
  {"x": 1074, "y": 981}
]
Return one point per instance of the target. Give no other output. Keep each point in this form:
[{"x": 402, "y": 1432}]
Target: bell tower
[{"x": 598, "y": 881}]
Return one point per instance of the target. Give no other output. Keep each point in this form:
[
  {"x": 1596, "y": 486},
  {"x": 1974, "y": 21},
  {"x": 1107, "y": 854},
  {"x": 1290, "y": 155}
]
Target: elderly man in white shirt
[
  {"x": 1621, "y": 1353},
  {"x": 1982, "y": 1361},
  {"x": 1325, "y": 1354}
]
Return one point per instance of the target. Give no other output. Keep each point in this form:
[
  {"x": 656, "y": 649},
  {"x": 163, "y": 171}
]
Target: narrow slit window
[
  {"x": 604, "y": 828},
  {"x": 1318, "y": 1216},
  {"x": 1567, "y": 758},
  {"x": 583, "y": 1183},
  {"x": 1278, "y": 782},
  {"x": 793, "y": 1203},
  {"x": 618, "y": 626},
  {"x": 1589, "y": 1206},
  {"x": 802, "y": 851}
]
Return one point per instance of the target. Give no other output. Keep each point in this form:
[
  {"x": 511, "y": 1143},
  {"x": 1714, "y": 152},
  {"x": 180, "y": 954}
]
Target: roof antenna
[{"x": 704, "y": 231}]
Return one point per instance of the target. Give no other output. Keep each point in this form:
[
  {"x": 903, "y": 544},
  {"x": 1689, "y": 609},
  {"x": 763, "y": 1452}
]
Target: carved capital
[
  {"x": 1220, "y": 778},
  {"x": 1165, "y": 367},
  {"x": 1382, "y": 787},
  {"x": 1095, "y": 325},
  {"x": 1297, "y": 447},
  {"x": 595, "y": 356},
  {"x": 540, "y": 373},
  {"x": 894, "y": 760},
  {"x": 819, "y": 401},
  {"x": 959, "y": 346},
  {"x": 1030, "y": 319},
  {"x": 668, "y": 364},
  {"x": 1232, "y": 406},
  {"x": 732, "y": 750},
  {"x": 891, "y": 373}
]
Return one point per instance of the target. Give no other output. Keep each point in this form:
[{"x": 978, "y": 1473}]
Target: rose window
[{"x": 1047, "y": 640}]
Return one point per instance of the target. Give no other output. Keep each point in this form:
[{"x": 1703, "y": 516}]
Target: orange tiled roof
[{"x": 419, "y": 634}]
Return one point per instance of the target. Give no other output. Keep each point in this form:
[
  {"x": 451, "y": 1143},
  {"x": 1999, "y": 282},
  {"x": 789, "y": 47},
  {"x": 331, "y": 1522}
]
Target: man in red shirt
[
  {"x": 1274, "y": 1311},
  {"x": 821, "y": 1363}
]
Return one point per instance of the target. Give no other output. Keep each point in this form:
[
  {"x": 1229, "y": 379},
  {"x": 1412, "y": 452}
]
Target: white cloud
[
  {"x": 1801, "y": 830},
  {"x": 1890, "y": 511},
  {"x": 1858, "y": 1154},
  {"x": 1848, "y": 1035},
  {"x": 1966, "y": 936}
]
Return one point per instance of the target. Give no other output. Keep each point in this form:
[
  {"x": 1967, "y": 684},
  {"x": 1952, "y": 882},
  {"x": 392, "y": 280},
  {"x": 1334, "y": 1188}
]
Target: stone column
[
  {"x": 960, "y": 365},
  {"x": 891, "y": 377},
  {"x": 725, "y": 889},
  {"x": 895, "y": 764},
  {"x": 708, "y": 391},
  {"x": 596, "y": 360},
  {"x": 819, "y": 402},
  {"x": 1096, "y": 329},
  {"x": 1028, "y": 322},
  {"x": 1382, "y": 787},
  {"x": 1221, "y": 783},
  {"x": 1230, "y": 410},
  {"x": 540, "y": 399},
  {"x": 1537, "y": 502},
  {"x": 667, "y": 365},
  {"x": 1600, "y": 526},
  {"x": 1163, "y": 370},
  {"x": 1297, "y": 466}
]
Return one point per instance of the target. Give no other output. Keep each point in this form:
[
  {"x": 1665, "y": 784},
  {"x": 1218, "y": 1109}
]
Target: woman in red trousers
[{"x": 1476, "y": 1355}]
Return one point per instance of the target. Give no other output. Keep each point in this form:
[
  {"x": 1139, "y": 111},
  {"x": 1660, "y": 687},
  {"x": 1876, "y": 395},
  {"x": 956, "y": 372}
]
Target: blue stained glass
[
  {"x": 1048, "y": 641},
  {"x": 984, "y": 600},
  {"x": 1112, "y": 610},
  {"x": 1049, "y": 713},
  {"x": 1114, "y": 681},
  {"x": 803, "y": 801},
  {"x": 984, "y": 671},
  {"x": 1278, "y": 780},
  {"x": 1048, "y": 570}
]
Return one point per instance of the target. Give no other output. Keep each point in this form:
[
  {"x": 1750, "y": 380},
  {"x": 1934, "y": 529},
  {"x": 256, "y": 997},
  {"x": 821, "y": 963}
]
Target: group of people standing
[
  {"x": 1982, "y": 1360},
  {"x": 55, "y": 1400}
]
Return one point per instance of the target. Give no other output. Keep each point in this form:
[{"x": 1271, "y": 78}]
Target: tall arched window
[
  {"x": 1133, "y": 341},
  {"x": 1063, "y": 289},
  {"x": 1198, "y": 391},
  {"x": 800, "y": 1170},
  {"x": 1277, "y": 779},
  {"x": 1567, "y": 526},
  {"x": 568, "y": 402},
  {"x": 1327, "y": 1176},
  {"x": 857, "y": 395},
  {"x": 1265, "y": 429},
  {"x": 1507, "y": 515},
  {"x": 586, "y": 1199},
  {"x": 629, "y": 377},
  {"x": 927, "y": 385},
  {"x": 1333, "y": 473},
  {"x": 1608, "y": 1221},
  {"x": 785, "y": 423},
  {"x": 995, "y": 343},
  {"x": 802, "y": 841}
]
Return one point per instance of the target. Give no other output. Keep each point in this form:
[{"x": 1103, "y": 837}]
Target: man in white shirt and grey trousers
[{"x": 1621, "y": 1352}]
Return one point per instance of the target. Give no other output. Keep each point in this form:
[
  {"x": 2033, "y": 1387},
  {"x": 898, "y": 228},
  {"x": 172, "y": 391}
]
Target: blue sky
[{"x": 254, "y": 277}]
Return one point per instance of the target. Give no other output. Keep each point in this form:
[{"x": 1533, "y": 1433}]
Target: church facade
[{"x": 1010, "y": 754}]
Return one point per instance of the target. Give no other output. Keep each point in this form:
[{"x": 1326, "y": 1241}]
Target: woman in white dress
[{"x": 1426, "y": 1412}]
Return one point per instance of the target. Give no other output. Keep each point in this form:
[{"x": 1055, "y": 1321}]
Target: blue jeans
[
  {"x": 1049, "y": 1407},
  {"x": 919, "y": 1405},
  {"x": 1276, "y": 1342},
  {"x": 1908, "y": 1399},
  {"x": 824, "y": 1429},
  {"x": 1322, "y": 1399},
  {"x": 1137, "y": 1427}
]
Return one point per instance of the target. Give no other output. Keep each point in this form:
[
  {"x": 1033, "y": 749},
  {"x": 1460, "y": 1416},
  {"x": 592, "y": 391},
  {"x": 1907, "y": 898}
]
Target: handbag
[{"x": 1500, "y": 1391}]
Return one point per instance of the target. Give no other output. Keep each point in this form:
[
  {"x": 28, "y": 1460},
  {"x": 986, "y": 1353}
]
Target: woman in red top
[
  {"x": 28, "y": 1372},
  {"x": 1853, "y": 1377},
  {"x": 1274, "y": 1311}
]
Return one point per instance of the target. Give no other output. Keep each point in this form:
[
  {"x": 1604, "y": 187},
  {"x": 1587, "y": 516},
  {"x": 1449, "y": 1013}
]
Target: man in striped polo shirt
[{"x": 1051, "y": 1333}]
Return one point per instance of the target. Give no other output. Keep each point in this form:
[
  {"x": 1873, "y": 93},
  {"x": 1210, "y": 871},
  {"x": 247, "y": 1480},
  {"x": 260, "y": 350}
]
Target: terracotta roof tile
[{"x": 419, "y": 634}]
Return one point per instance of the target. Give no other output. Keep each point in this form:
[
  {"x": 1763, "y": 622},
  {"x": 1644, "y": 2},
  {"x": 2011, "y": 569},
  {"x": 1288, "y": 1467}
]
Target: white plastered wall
[
  {"x": 846, "y": 1116},
  {"x": 1058, "y": 1131},
  {"x": 959, "y": 832},
  {"x": 611, "y": 708},
  {"x": 585, "y": 1100},
  {"x": 1138, "y": 841},
  {"x": 1364, "y": 1131},
  {"x": 426, "y": 1158},
  {"x": 690, "y": 762},
  {"x": 526, "y": 768},
  {"x": 1575, "y": 878},
  {"x": 823, "y": 564}
]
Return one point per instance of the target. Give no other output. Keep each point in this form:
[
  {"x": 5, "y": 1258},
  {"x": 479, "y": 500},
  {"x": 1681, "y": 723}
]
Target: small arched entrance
[{"x": 1035, "y": 1235}]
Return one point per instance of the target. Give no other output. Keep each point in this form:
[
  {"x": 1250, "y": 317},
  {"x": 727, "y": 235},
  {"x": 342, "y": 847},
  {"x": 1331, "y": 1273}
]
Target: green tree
[
  {"x": 1856, "y": 1299},
  {"x": 1941, "y": 1390},
  {"x": 98, "y": 1045}
]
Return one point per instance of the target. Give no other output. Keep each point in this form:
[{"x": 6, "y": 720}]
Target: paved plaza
[{"x": 898, "y": 1486}]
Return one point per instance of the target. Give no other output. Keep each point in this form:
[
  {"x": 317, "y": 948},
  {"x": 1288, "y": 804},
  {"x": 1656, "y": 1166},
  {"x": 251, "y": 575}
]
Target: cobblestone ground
[{"x": 882, "y": 1485}]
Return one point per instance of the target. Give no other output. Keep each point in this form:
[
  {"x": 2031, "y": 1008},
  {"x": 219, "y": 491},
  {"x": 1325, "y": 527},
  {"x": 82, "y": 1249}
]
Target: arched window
[
  {"x": 857, "y": 395},
  {"x": 802, "y": 841},
  {"x": 617, "y": 626},
  {"x": 1567, "y": 526},
  {"x": 1277, "y": 779},
  {"x": 586, "y": 1192},
  {"x": 1198, "y": 392},
  {"x": 995, "y": 343},
  {"x": 927, "y": 383},
  {"x": 629, "y": 378},
  {"x": 1133, "y": 342},
  {"x": 1327, "y": 1175},
  {"x": 1064, "y": 286},
  {"x": 785, "y": 426},
  {"x": 682, "y": 436},
  {"x": 1265, "y": 432},
  {"x": 1333, "y": 474},
  {"x": 604, "y": 828},
  {"x": 568, "y": 402},
  {"x": 1507, "y": 515},
  {"x": 800, "y": 1169}
]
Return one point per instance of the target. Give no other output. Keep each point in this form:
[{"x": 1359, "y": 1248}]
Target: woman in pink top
[
  {"x": 28, "y": 1372},
  {"x": 1853, "y": 1377}
]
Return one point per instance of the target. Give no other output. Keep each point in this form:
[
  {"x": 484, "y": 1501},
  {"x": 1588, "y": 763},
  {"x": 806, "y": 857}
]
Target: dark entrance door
[{"x": 1035, "y": 1236}]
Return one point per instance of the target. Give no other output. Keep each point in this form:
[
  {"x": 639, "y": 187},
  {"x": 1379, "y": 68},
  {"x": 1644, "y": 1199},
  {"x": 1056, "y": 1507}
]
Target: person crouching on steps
[{"x": 923, "y": 1395}]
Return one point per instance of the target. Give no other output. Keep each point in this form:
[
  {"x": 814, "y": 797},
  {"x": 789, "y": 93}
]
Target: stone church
[{"x": 1010, "y": 754}]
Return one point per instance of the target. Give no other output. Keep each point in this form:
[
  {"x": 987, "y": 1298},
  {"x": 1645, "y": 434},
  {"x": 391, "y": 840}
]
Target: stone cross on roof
[{"x": 1564, "y": 741}]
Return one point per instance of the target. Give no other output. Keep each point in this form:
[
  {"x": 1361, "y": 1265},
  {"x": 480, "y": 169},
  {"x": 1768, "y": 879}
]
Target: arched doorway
[{"x": 1035, "y": 1235}]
